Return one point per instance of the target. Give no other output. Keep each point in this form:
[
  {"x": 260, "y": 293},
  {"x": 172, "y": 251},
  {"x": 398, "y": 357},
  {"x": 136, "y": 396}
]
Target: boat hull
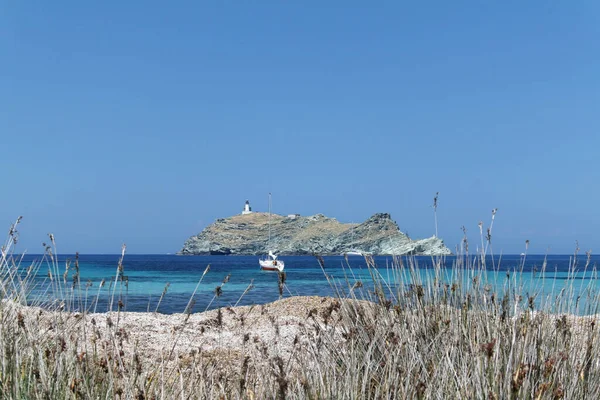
[
  {"x": 271, "y": 265},
  {"x": 269, "y": 268},
  {"x": 353, "y": 253}
]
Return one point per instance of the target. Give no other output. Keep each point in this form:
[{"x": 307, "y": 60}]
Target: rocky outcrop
[{"x": 317, "y": 234}]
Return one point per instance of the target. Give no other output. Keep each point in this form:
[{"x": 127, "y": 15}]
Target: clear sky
[{"x": 142, "y": 122}]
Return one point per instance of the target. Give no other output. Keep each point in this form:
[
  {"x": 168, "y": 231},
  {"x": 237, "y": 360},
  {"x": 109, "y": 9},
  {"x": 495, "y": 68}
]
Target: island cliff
[{"x": 317, "y": 234}]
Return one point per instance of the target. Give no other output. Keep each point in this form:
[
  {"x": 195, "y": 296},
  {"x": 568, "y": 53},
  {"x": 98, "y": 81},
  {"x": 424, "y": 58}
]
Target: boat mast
[{"x": 269, "y": 242}]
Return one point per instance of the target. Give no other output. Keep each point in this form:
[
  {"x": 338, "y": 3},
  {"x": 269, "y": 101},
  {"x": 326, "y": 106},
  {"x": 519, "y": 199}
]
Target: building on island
[{"x": 247, "y": 208}]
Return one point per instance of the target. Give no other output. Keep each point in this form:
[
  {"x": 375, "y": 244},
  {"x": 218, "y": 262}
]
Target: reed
[{"x": 459, "y": 329}]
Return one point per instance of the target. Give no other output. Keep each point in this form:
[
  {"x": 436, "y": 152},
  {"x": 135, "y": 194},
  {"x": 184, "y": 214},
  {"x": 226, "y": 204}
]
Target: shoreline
[
  {"x": 273, "y": 328},
  {"x": 227, "y": 333},
  {"x": 324, "y": 346}
]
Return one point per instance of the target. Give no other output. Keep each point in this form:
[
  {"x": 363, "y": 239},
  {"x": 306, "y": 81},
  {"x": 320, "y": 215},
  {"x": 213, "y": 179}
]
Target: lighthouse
[{"x": 247, "y": 208}]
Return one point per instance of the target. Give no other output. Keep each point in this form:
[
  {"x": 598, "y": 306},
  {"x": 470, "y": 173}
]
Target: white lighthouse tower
[{"x": 247, "y": 208}]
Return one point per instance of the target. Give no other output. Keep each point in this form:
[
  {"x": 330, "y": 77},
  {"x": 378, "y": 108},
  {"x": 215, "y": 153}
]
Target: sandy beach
[{"x": 226, "y": 335}]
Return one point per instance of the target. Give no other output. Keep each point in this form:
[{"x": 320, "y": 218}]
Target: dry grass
[{"x": 448, "y": 334}]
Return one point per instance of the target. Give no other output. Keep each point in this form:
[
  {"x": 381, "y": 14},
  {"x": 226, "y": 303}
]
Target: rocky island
[{"x": 247, "y": 234}]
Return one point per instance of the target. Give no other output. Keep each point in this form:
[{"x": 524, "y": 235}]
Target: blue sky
[{"x": 142, "y": 122}]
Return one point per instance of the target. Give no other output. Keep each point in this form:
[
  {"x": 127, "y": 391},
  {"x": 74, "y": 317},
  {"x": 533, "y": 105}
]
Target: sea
[{"x": 174, "y": 284}]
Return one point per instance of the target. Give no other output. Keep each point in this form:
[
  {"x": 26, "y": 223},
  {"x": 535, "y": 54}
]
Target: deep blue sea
[{"x": 147, "y": 276}]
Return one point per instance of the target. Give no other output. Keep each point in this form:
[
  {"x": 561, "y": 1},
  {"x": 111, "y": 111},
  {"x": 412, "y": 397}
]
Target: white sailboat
[
  {"x": 354, "y": 252},
  {"x": 270, "y": 261}
]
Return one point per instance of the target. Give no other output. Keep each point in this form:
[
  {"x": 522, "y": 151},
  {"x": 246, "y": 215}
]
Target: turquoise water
[{"x": 147, "y": 276}]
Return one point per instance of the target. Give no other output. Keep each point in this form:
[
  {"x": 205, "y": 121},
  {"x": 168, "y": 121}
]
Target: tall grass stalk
[{"x": 460, "y": 327}]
